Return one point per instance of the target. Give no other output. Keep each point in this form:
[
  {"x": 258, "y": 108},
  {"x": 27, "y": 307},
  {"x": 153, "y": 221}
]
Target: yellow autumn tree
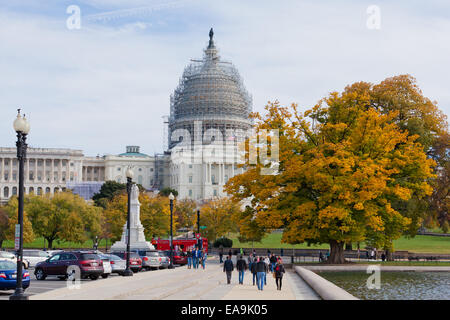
[
  {"x": 216, "y": 216},
  {"x": 341, "y": 165},
  {"x": 12, "y": 210}
]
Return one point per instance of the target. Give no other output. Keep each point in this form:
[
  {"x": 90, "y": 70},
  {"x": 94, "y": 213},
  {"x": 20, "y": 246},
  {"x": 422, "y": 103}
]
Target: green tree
[
  {"x": 165, "y": 192},
  {"x": 107, "y": 192},
  {"x": 4, "y": 222},
  {"x": 63, "y": 217}
]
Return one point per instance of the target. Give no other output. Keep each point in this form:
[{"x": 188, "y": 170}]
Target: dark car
[
  {"x": 8, "y": 276},
  {"x": 135, "y": 260},
  {"x": 89, "y": 263},
  {"x": 179, "y": 257}
]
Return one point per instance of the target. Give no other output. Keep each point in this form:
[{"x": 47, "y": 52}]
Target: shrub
[{"x": 225, "y": 242}]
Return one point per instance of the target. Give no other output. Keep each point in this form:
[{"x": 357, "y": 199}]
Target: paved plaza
[{"x": 184, "y": 284}]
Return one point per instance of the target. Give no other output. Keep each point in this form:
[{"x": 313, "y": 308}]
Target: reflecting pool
[{"x": 394, "y": 285}]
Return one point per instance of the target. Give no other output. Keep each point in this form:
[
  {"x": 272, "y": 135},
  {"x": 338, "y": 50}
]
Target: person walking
[
  {"x": 199, "y": 257},
  {"x": 189, "y": 258},
  {"x": 267, "y": 262},
  {"x": 273, "y": 262},
  {"x": 228, "y": 268},
  {"x": 253, "y": 270},
  {"x": 279, "y": 270},
  {"x": 241, "y": 266},
  {"x": 320, "y": 256},
  {"x": 204, "y": 257},
  {"x": 261, "y": 269},
  {"x": 221, "y": 254}
]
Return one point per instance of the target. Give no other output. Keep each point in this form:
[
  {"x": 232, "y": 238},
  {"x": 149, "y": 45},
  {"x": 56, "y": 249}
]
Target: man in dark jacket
[
  {"x": 261, "y": 270},
  {"x": 241, "y": 266},
  {"x": 253, "y": 270},
  {"x": 228, "y": 267}
]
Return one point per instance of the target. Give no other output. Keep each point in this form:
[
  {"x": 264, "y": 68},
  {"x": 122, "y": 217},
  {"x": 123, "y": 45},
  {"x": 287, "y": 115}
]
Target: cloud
[{"x": 108, "y": 84}]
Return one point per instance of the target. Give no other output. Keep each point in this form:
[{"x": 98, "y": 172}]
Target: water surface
[{"x": 394, "y": 285}]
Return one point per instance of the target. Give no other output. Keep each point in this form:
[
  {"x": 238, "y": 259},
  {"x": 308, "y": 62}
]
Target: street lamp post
[
  {"x": 198, "y": 220},
  {"x": 22, "y": 127},
  {"x": 171, "y": 198},
  {"x": 129, "y": 174}
]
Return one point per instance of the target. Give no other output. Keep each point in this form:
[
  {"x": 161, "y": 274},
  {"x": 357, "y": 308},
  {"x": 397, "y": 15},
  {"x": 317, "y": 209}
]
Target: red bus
[{"x": 181, "y": 244}]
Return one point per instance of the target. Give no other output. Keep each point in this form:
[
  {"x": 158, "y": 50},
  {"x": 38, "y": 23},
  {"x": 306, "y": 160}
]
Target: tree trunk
[
  {"x": 49, "y": 243},
  {"x": 1, "y": 244},
  {"x": 389, "y": 255},
  {"x": 336, "y": 253}
]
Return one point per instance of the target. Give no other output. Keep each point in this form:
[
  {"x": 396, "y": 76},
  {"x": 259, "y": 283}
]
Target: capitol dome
[{"x": 211, "y": 91}]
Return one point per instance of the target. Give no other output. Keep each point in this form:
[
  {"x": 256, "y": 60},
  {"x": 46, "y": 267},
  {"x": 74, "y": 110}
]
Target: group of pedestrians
[
  {"x": 196, "y": 257},
  {"x": 258, "y": 266}
]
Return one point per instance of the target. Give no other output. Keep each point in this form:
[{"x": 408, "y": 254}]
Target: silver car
[
  {"x": 35, "y": 256},
  {"x": 118, "y": 265},
  {"x": 154, "y": 260},
  {"x": 5, "y": 255}
]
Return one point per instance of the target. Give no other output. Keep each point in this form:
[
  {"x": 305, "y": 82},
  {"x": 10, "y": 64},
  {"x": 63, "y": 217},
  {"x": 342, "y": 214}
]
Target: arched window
[
  {"x": 39, "y": 191},
  {"x": 14, "y": 191},
  {"x": 31, "y": 190},
  {"x": 55, "y": 190},
  {"x": 47, "y": 190},
  {"x": 6, "y": 192}
]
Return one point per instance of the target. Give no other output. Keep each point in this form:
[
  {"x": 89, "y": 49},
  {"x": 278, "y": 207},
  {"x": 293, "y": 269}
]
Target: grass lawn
[{"x": 419, "y": 244}]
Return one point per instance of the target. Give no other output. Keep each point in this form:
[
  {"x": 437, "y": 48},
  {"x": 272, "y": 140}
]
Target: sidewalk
[{"x": 183, "y": 284}]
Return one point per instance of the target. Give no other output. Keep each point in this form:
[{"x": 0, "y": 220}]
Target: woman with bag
[{"x": 278, "y": 274}]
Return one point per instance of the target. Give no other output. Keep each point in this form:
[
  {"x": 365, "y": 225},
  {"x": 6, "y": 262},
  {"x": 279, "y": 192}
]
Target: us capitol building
[{"x": 209, "y": 117}]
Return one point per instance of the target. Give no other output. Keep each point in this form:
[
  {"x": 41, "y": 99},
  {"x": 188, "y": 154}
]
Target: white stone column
[
  {"x": 35, "y": 176},
  {"x": 10, "y": 171},
  {"x": 52, "y": 173},
  {"x": 67, "y": 171},
  {"x": 27, "y": 171},
  {"x": 2, "y": 177},
  {"x": 44, "y": 170},
  {"x": 60, "y": 171}
]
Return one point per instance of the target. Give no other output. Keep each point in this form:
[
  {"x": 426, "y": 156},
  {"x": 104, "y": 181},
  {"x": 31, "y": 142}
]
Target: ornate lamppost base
[
  {"x": 127, "y": 273},
  {"x": 19, "y": 296}
]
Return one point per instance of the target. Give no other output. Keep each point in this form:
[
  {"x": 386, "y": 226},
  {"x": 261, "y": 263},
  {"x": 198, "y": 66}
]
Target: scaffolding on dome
[{"x": 212, "y": 91}]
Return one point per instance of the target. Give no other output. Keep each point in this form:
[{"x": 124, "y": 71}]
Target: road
[
  {"x": 184, "y": 284},
  {"x": 50, "y": 283}
]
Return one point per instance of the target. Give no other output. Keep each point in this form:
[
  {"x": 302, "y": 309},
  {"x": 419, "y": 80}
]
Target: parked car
[
  {"x": 5, "y": 255},
  {"x": 135, "y": 260},
  {"x": 35, "y": 256},
  {"x": 90, "y": 264},
  {"x": 107, "y": 270},
  {"x": 8, "y": 276},
  {"x": 179, "y": 257},
  {"x": 154, "y": 259},
  {"x": 118, "y": 265}
]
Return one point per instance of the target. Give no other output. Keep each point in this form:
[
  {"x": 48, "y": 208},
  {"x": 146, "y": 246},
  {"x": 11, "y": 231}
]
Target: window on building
[
  {"x": 14, "y": 191},
  {"x": 6, "y": 192},
  {"x": 190, "y": 166},
  {"x": 190, "y": 179},
  {"x": 215, "y": 193},
  {"x": 190, "y": 193}
]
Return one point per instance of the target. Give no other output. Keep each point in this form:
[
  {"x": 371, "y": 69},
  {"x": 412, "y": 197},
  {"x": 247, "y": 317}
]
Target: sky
[{"x": 107, "y": 84}]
